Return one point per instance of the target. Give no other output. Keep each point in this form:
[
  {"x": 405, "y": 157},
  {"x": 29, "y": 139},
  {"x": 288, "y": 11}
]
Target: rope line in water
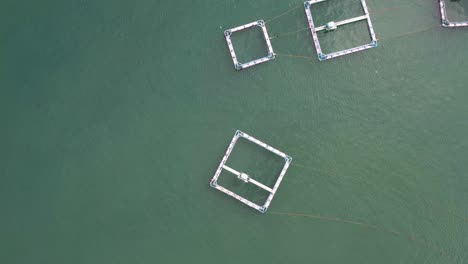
[
  {"x": 340, "y": 220},
  {"x": 368, "y": 226},
  {"x": 301, "y": 4},
  {"x": 284, "y": 13},
  {"x": 289, "y": 33},
  {"x": 386, "y": 38},
  {"x": 289, "y": 10},
  {"x": 389, "y": 9},
  {"x": 294, "y": 56},
  {"x": 383, "y": 10},
  {"x": 431, "y": 204},
  {"x": 411, "y": 32},
  {"x": 302, "y": 29},
  {"x": 308, "y": 168},
  {"x": 346, "y": 221}
]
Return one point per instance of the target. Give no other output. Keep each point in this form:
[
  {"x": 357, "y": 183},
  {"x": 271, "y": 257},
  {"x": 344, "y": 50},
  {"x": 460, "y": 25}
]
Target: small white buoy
[
  {"x": 244, "y": 177},
  {"x": 330, "y": 26}
]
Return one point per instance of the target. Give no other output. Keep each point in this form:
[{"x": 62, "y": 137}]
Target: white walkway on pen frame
[{"x": 445, "y": 20}]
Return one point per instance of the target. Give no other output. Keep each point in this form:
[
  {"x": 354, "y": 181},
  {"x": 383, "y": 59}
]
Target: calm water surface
[{"x": 115, "y": 115}]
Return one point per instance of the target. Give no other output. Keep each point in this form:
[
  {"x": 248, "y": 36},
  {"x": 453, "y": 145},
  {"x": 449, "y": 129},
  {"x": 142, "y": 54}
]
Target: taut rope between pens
[{"x": 411, "y": 237}]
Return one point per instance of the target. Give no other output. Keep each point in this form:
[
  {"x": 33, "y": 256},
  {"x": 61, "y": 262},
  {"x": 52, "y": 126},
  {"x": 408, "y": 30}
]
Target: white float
[
  {"x": 246, "y": 178},
  {"x": 445, "y": 21},
  {"x": 238, "y": 65},
  {"x": 333, "y": 25}
]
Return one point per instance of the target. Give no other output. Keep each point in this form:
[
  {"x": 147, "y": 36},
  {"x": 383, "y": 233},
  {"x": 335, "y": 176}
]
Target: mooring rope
[
  {"x": 384, "y": 10},
  {"x": 349, "y": 2},
  {"x": 294, "y": 56},
  {"x": 411, "y": 237},
  {"x": 293, "y": 8},
  {"x": 386, "y": 38},
  {"x": 289, "y": 33},
  {"x": 389, "y": 9},
  {"x": 301, "y": 4},
  {"x": 295, "y": 164},
  {"x": 411, "y": 32},
  {"x": 297, "y": 31},
  {"x": 297, "y": 6},
  {"x": 340, "y": 220},
  {"x": 284, "y": 13},
  {"x": 431, "y": 204}
]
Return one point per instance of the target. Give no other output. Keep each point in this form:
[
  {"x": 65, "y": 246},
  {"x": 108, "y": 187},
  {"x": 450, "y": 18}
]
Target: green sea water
[{"x": 115, "y": 115}]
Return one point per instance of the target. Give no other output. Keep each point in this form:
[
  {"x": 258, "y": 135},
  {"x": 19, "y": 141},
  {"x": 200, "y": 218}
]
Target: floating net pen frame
[
  {"x": 445, "y": 21},
  {"x": 246, "y": 178},
  {"x": 237, "y": 64},
  {"x": 313, "y": 29}
]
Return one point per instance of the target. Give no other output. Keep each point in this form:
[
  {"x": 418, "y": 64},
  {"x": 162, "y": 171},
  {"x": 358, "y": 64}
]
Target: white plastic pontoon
[
  {"x": 246, "y": 178},
  {"x": 313, "y": 29},
  {"x": 238, "y": 65},
  {"x": 445, "y": 21}
]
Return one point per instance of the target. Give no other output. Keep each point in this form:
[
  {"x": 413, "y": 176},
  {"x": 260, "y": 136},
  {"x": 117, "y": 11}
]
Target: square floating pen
[
  {"x": 238, "y": 65},
  {"x": 332, "y": 25},
  {"x": 245, "y": 177}
]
